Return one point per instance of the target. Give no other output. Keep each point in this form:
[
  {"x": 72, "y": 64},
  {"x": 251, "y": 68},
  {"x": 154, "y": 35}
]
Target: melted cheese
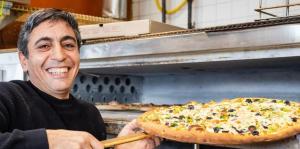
[{"x": 235, "y": 116}]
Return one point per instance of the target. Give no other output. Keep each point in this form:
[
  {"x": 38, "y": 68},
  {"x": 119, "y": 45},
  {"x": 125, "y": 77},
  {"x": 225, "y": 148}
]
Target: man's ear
[{"x": 23, "y": 61}]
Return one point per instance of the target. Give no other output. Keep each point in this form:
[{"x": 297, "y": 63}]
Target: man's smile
[{"x": 60, "y": 72}]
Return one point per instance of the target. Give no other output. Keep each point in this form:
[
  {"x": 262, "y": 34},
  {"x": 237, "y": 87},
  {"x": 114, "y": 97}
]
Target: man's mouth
[{"x": 58, "y": 72}]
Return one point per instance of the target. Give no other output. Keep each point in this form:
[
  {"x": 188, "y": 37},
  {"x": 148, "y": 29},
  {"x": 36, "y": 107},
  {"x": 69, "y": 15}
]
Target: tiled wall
[{"x": 211, "y": 12}]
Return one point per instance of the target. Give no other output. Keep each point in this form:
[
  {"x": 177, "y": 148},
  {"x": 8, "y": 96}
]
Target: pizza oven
[{"x": 256, "y": 59}]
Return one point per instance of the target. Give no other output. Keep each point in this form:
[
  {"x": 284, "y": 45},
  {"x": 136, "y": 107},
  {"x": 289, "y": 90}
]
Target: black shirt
[{"x": 26, "y": 112}]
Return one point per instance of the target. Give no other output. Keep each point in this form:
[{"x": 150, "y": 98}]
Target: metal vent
[{"x": 106, "y": 88}]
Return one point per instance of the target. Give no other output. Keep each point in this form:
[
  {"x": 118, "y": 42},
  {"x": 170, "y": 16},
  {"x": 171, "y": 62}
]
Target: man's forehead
[
  {"x": 44, "y": 29},
  {"x": 51, "y": 23}
]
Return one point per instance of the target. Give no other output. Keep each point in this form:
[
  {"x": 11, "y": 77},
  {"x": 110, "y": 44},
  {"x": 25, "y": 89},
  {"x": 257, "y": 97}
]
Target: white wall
[
  {"x": 211, "y": 12},
  {"x": 9, "y": 63}
]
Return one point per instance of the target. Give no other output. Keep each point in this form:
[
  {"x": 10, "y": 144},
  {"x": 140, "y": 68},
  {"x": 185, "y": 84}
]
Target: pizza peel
[
  {"x": 289, "y": 143},
  {"x": 124, "y": 139}
]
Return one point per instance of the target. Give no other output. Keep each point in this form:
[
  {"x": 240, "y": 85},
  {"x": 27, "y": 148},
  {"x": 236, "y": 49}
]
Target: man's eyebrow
[
  {"x": 43, "y": 39},
  {"x": 68, "y": 38}
]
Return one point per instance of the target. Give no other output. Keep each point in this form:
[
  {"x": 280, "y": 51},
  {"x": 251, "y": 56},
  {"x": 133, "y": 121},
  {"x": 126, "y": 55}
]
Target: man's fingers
[
  {"x": 88, "y": 141},
  {"x": 150, "y": 144},
  {"x": 129, "y": 128},
  {"x": 96, "y": 144},
  {"x": 156, "y": 140},
  {"x": 132, "y": 125}
]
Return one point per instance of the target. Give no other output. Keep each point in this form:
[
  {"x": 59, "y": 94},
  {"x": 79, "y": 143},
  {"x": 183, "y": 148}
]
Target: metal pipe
[
  {"x": 287, "y": 8},
  {"x": 163, "y": 11},
  {"x": 260, "y": 5},
  {"x": 278, "y": 6},
  {"x": 2, "y": 75},
  {"x": 190, "y": 3},
  {"x": 115, "y": 9}
]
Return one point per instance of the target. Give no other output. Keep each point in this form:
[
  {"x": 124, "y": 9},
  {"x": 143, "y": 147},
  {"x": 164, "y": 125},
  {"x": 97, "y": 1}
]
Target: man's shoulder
[
  {"x": 14, "y": 84},
  {"x": 13, "y": 87},
  {"x": 12, "y": 91}
]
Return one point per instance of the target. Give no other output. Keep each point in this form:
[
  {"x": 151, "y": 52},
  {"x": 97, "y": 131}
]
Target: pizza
[{"x": 235, "y": 121}]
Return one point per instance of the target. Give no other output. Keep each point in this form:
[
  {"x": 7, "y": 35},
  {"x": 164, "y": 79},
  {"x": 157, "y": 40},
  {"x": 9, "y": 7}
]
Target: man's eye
[
  {"x": 44, "y": 47},
  {"x": 69, "y": 46}
]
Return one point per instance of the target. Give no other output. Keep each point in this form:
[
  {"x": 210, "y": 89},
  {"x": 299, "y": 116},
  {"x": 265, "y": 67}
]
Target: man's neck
[{"x": 60, "y": 95}]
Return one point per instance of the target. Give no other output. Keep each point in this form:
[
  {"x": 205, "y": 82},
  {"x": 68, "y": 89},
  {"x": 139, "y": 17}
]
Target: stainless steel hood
[{"x": 281, "y": 41}]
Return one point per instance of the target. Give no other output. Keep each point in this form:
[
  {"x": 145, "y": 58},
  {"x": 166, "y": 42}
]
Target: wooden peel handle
[{"x": 124, "y": 139}]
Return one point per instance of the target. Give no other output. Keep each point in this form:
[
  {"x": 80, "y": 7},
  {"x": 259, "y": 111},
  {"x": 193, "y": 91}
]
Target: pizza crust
[
  {"x": 203, "y": 137},
  {"x": 115, "y": 106}
]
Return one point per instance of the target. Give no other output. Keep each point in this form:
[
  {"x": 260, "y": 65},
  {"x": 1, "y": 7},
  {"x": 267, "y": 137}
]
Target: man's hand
[
  {"x": 131, "y": 128},
  {"x": 62, "y": 139}
]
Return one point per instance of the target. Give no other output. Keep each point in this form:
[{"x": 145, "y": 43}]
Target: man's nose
[{"x": 58, "y": 53}]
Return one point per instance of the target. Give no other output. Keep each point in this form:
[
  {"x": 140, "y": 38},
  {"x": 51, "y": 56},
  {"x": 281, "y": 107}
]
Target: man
[{"x": 41, "y": 113}]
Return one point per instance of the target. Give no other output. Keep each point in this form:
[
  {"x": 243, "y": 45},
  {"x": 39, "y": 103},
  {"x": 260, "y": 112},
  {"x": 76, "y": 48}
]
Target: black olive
[
  {"x": 167, "y": 123},
  {"x": 231, "y": 110},
  {"x": 191, "y": 107},
  {"x": 274, "y": 101},
  {"x": 239, "y": 131},
  {"x": 216, "y": 129},
  {"x": 294, "y": 119},
  {"x": 265, "y": 127},
  {"x": 170, "y": 111},
  {"x": 257, "y": 114},
  {"x": 181, "y": 117},
  {"x": 251, "y": 128},
  {"x": 249, "y": 100},
  {"x": 225, "y": 131},
  {"x": 287, "y": 102},
  {"x": 209, "y": 118},
  {"x": 232, "y": 115},
  {"x": 255, "y": 133},
  {"x": 198, "y": 119},
  {"x": 173, "y": 125},
  {"x": 214, "y": 114},
  {"x": 256, "y": 100}
]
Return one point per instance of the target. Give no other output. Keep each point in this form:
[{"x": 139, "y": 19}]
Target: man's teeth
[{"x": 58, "y": 70}]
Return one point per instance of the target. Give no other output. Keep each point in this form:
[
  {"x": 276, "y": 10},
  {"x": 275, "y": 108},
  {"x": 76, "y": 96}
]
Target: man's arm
[
  {"x": 42, "y": 138},
  {"x": 18, "y": 139},
  {"x": 52, "y": 139}
]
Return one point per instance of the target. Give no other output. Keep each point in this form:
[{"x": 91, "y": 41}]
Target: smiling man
[
  {"x": 41, "y": 113},
  {"x": 53, "y": 59}
]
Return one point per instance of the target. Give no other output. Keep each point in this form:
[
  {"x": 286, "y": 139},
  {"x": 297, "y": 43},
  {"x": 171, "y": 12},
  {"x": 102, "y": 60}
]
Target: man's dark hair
[{"x": 45, "y": 15}]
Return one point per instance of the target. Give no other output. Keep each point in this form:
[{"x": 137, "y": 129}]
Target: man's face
[{"x": 53, "y": 59}]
